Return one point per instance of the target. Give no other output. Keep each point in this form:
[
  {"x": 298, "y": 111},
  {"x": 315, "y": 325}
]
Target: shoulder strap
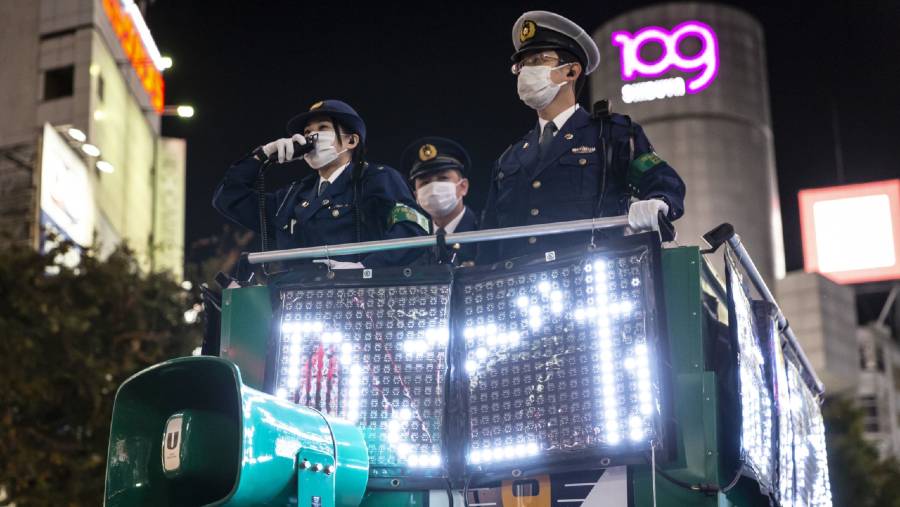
[
  {"x": 359, "y": 168},
  {"x": 614, "y": 129}
]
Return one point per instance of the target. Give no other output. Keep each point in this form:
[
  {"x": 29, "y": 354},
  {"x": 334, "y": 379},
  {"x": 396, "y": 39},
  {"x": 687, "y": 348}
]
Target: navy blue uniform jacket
[
  {"x": 299, "y": 218},
  {"x": 464, "y": 252},
  {"x": 574, "y": 180}
]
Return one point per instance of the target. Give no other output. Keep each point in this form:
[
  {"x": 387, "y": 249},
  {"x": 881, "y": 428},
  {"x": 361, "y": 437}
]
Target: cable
[
  {"x": 733, "y": 483},
  {"x": 653, "y": 465},
  {"x": 260, "y": 187},
  {"x": 466, "y": 491},
  {"x": 450, "y": 492},
  {"x": 703, "y": 488}
]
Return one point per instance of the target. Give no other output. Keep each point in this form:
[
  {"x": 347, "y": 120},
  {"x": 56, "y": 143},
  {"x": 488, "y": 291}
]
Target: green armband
[
  {"x": 403, "y": 213},
  {"x": 640, "y": 165}
]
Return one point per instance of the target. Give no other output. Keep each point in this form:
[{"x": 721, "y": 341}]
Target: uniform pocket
[
  {"x": 508, "y": 179},
  {"x": 583, "y": 172}
]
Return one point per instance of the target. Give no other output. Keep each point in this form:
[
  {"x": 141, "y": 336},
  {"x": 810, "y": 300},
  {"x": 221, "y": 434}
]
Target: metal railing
[{"x": 318, "y": 252}]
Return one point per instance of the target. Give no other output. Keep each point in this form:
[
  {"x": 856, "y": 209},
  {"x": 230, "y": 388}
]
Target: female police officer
[{"x": 346, "y": 200}]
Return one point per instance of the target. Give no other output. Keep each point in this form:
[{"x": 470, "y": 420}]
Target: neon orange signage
[{"x": 136, "y": 51}]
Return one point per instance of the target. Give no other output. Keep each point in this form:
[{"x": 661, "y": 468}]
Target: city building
[
  {"x": 822, "y": 315},
  {"x": 81, "y": 151},
  {"x": 694, "y": 76},
  {"x": 879, "y": 388}
]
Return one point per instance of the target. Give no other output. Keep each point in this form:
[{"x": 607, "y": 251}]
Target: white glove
[
  {"x": 333, "y": 264},
  {"x": 284, "y": 147},
  {"x": 644, "y": 215}
]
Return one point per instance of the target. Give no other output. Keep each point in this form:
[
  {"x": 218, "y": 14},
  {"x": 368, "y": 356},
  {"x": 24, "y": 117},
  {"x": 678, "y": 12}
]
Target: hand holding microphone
[{"x": 289, "y": 147}]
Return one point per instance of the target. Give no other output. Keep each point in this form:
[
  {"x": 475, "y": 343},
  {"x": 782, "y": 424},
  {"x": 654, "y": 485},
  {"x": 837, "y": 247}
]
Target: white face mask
[
  {"x": 535, "y": 86},
  {"x": 325, "y": 152},
  {"x": 438, "y": 198}
]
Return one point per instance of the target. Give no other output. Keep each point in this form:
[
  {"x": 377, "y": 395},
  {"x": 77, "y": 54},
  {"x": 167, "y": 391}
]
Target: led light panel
[
  {"x": 811, "y": 485},
  {"x": 784, "y": 490},
  {"x": 560, "y": 359},
  {"x": 757, "y": 423},
  {"x": 376, "y": 356}
]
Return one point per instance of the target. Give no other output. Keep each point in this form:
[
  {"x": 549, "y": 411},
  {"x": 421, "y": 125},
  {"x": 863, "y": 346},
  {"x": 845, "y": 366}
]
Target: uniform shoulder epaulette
[
  {"x": 506, "y": 151},
  {"x": 620, "y": 119}
]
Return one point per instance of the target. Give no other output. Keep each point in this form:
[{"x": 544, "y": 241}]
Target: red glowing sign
[
  {"x": 129, "y": 32},
  {"x": 851, "y": 233}
]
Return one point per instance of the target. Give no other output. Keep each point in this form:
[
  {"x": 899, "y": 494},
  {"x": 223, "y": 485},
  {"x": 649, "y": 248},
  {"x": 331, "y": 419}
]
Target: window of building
[
  {"x": 101, "y": 86},
  {"x": 59, "y": 82},
  {"x": 869, "y": 407},
  {"x": 879, "y": 358}
]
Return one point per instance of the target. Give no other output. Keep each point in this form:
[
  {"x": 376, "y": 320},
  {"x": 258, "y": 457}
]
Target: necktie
[
  {"x": 547, "y": 137},
  {"x": 438, "y": 253},
  {"x": 322, "y": 186}
]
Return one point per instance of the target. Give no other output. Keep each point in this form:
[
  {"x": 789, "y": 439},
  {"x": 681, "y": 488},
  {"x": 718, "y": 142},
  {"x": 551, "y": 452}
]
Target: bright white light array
[
  {"x": 560, "y": 360},
  {"x": 811, "y": 485},
  {"x": 757, "y": 423},
  {"x": 368, "y": 355},
  {"x": 505, "y": 453},
  {"x": 403, "y": 423}
]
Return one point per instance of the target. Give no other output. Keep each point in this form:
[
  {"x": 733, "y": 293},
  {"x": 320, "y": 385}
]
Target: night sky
[{"x": 443, "y": 69}]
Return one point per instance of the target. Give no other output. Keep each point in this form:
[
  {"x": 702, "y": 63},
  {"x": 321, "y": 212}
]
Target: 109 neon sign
[{"x": 704, "y": 64}]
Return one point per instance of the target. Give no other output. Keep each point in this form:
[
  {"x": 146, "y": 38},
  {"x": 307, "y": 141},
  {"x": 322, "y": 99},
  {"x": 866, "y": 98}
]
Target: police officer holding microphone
[
  {"x": 345, "y": 200},
  {"x": 572, "y": 164}
]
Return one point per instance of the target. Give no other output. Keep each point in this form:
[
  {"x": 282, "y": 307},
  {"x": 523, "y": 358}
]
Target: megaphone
[{"x": 187, "y": 432}]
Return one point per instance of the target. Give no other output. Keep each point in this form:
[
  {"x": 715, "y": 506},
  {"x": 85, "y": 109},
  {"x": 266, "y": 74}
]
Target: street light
[
  {"x": 181, "y": 111},
  {"x": 104, "y": 166},
  {"x": 77, "y": 134},
  {"x": 165, "y": 63},
  {"x": 90, "y": 150},
  {"x": 185, "y": 111}
]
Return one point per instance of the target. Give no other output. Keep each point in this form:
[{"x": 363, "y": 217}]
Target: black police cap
[
  {"x": 339, "y": 110},
  {"x": 433, "y": 154}
]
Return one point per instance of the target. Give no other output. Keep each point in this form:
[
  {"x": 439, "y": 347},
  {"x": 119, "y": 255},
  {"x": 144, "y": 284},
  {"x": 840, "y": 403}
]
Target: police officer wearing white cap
[{"x": 571, "y": 165}]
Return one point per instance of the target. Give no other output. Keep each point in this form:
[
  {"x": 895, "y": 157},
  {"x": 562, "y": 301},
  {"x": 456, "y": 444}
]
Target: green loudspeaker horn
[{"x": 187, "y": 432}]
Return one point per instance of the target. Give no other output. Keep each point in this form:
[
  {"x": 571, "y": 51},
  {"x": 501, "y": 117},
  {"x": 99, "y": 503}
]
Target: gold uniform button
[
  {"x": 456, "y": 246},
  {"x": 335, "y": 213},
  {"x": 326, "y": 202},
  {"x": 532, "y": 240},
  {"x": 536, "y": 184},
  {"x": 500, "y": 175},
  {"x": 535, "y": 212},
  {"x": 569, "y": 136},
  {"x": 525, "y": 146},
  {"x": 582, "y": 161},
  {"x": 304, "y": 204}
]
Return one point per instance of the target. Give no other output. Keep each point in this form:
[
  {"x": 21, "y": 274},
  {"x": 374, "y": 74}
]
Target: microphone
[{"x": 299, "y": 149}]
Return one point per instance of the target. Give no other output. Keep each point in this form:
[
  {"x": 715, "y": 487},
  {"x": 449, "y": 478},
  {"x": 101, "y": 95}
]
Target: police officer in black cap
[
  {"x": 345, "y": 200},
  {"x": 571, "y": 165},
  {"x": 437, "y": 168}
]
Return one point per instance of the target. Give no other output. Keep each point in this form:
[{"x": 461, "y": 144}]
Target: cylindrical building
[{"x": 694, "y": 76}]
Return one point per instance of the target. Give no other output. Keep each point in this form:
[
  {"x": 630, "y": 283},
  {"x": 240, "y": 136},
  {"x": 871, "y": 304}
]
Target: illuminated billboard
[
  {"x": 67, "y": 197},
  {"x": 702, "y": 65},
  {"x": 137, "y": 43},
  {"x": 851, "y": 233}
]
